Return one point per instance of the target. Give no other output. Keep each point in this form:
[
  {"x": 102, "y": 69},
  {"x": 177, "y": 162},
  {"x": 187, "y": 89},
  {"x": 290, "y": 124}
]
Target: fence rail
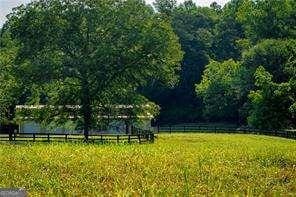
[
  {"x": 51, "y": 137},
  {"x": 220, "y": 129}
]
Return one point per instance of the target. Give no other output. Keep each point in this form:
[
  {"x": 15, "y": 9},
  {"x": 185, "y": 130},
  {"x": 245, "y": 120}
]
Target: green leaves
[
  {"x": 85, "y": 52},
  {"x": 165, "y": 6},
  {"x": 262, "y": 77},
  {"x": 271, "y": 102},
  {"x": 10, "y": 86},
  {"x": 221, "y": 89},
  {"x": 267, "y": 19},
  {"x": 272, "y": 105}
]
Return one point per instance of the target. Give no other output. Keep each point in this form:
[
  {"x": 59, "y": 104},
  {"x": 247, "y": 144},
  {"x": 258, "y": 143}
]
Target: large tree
[
  {"x": 89, "y": 53},
  {"x": 222, "y": 90},
  {"x": 272, "y": 104},
  {"x": 272, "y": 101}
]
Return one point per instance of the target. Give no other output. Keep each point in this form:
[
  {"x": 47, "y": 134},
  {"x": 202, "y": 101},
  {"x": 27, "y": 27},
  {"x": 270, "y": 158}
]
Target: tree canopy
[
  {"x": 91, "y": 53},
  {"x": 273, "y": 98},
  {"x": 222, "y": 90}
]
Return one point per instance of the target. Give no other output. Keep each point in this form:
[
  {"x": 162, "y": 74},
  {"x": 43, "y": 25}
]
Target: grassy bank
[{"x": 183, "y": 164}]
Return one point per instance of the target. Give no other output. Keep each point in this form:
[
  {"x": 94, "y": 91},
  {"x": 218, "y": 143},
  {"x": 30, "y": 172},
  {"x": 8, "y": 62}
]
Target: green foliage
[
  {"x": 272, "y": 104},
  {"x": 272, "y": 62},
  {"x": 178, "y": 164},
  {"x": 273, "y": 55},
  {"x": 225, "y": 45},
  {"x": 194, "y": 27},
  {"x": 227, "y": 33},
  {"x": 165, "y": 6},
  {"x": 241, "y": 30},
  {"x": 222, "y": 89},
  {"x": 86, "y": 52},
  {"x": 93, "y": 53},
  {"x": 10, "y": 86},
  {"x": 265, "y": 19}
]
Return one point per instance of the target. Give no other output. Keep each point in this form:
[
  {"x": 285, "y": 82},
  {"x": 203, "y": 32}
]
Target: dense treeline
[
  {"x": 239, "y": 63},
  {"x": 233, "y": 64}
]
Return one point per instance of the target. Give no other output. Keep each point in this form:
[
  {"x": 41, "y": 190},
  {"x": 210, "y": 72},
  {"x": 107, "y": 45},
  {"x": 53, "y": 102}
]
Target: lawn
[{"x": 177, "y": 164}]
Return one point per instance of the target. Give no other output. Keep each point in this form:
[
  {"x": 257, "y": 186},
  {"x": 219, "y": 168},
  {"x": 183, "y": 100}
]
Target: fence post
[
  {"x": 158, "y": 128},
  {"x": 129, "y": 138},
  {"x": 170, "y": 129},
  {"x": 48, "y": 139},
  {"x": 184, "y": 128},
  {"x": 11, "y": 132},
  {"x": 152, "y": 137},
  {"x": 117, "y": 139},
  {"x": 139, "y": 136},
  {"x": 34, "y": 137},
  {"x": 66, "y": 137},
  {"x": 14, "y": 136}
]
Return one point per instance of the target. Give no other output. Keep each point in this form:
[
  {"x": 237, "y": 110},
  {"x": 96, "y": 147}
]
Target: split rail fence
[
  {"x": 291, "y": 134},
  {"x": 101, "y": 138}
]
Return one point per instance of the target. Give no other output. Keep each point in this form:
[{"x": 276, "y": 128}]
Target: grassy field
[{"x": 178, "y": 164}]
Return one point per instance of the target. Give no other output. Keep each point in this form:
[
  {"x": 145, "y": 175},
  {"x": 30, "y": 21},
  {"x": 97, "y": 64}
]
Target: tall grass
[{"x": 178, "y": 164}]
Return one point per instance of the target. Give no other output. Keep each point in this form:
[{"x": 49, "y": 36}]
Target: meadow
[{"x": 176, "y": 164}]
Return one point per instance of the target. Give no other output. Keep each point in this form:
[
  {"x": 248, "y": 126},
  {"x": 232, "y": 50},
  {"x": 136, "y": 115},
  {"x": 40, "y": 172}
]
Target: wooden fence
[
  {"x": 102, "y": 138},
  {"x": 291, "y": 134}
]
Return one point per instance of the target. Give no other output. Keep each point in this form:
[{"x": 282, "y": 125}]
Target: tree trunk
[
  {"x": 127, "y": 131},
  {"x": 86, "y": 109},
  {"x": 11, "y": 114}
]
